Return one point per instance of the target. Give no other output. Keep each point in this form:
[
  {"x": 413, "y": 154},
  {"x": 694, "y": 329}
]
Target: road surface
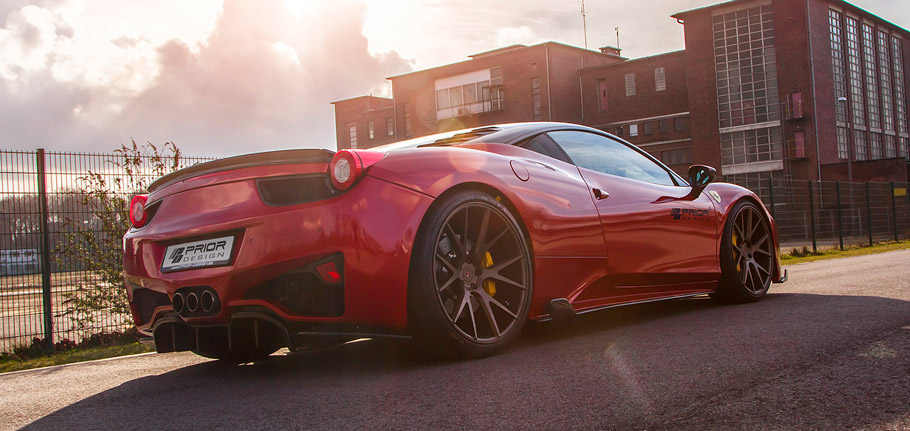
[{"x": 828, "y": 350}]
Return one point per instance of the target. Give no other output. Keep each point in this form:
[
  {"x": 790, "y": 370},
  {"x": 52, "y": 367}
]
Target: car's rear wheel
[
  {"x": 471, "y": 278},
  {"x": 747, "y": 255}
]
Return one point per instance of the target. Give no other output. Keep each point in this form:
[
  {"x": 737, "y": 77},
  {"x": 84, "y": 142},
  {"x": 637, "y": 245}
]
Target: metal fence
[
  {"x": 825, "y": 214},
  {"x": 41, "y": 203}
]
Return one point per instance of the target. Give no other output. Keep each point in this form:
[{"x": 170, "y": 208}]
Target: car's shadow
[{"x": 639, "y": 366}]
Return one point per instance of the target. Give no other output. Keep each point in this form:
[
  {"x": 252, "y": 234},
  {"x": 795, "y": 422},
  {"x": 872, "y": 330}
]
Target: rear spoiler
[{"x": 245, "y": 161}]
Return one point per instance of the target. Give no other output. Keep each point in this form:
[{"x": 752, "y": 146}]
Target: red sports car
[{"x": 454, "y": 240}]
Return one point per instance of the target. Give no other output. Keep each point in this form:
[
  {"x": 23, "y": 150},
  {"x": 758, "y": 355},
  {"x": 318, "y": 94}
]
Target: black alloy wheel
[
  {"x": 472, "y": 279},
  {"x": 747, "y": 255}
]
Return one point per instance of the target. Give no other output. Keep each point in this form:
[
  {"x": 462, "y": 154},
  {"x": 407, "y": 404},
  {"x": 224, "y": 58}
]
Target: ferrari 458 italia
[{"x": 454, "y": 240}]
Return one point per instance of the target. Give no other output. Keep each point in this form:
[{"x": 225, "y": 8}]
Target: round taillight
[
  {"x": 344, "y": 169},
  {"x": 138, "y": 215}
]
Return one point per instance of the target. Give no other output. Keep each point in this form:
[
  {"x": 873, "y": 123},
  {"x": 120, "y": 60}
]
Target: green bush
[{"x": 96, "y": 245}]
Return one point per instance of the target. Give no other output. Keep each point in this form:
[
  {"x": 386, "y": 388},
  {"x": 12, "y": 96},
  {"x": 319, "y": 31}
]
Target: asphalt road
[{"x": 828, "y": 350}]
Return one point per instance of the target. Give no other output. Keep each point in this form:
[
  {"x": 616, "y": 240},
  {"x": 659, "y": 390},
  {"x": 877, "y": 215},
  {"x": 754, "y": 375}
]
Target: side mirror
[{"x": 700, "y": 176}]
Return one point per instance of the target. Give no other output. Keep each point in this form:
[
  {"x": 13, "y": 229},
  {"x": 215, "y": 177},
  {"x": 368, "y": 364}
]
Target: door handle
[{"x": 600, "y": 194}]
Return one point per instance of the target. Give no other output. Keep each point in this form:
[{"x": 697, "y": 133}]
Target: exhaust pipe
[
  {"x": 207, "y": 301},
  {"x": 178, "y": 303},
  {"x": 192, "y": 302}
]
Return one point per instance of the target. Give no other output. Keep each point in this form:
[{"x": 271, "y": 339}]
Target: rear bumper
[
  {"x": 256, "y": 327},
  {"x": 371, "y": 227}
]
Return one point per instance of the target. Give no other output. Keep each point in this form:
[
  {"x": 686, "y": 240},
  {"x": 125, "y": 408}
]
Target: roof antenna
[
  {"x": 584, "y": 22},
  {"x": 617, "y": 37}
]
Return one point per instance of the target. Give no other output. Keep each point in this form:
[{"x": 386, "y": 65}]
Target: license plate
[{"x": 198, "y": 254}]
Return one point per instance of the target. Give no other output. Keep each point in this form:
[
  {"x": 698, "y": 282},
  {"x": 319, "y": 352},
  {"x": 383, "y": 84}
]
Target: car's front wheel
[
  {"x": 746, "y": 255},
  {"x": 471, "y": 278}
]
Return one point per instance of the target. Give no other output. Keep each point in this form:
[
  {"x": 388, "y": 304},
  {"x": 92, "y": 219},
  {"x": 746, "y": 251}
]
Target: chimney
[{"x": 611, "y": 51}]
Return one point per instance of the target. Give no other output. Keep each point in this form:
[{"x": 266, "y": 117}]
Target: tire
[
  {"x": 470, "y": 285},
  {"x": 746, "y": 255}
]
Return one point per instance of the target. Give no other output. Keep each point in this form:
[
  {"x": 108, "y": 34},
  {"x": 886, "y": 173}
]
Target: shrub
[{"x": 96, "y": 245}]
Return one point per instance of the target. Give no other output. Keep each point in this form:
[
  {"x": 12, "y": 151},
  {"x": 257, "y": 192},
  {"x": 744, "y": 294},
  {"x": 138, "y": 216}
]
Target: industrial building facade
[{"x": 811, "y": 89}]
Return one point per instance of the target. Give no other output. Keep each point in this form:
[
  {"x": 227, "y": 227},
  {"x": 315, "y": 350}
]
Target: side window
[
  {"x": 544, "y": 145},
  {"x": 605, "y": 155}
]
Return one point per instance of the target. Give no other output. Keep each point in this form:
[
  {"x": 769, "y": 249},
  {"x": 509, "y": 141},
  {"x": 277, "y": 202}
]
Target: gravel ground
[{"x": 830, "y": 349}]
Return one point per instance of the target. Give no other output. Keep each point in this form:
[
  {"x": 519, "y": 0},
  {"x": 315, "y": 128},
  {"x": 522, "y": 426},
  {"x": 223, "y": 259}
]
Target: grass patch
[
  {"x": 95, "y": 346},
  {"x": 805, "y": 255},
  {"x": 78, "y": 354}
]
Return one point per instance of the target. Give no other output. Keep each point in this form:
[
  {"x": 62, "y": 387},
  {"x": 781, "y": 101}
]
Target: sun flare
[{"x": 299, "y": 7}]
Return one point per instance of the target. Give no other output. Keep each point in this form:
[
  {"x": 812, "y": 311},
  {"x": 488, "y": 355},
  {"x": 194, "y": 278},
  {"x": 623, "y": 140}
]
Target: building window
[
  {"x": 389, "y": 127},
  {"x": 408, "y": 131},
  {"x": 630, "y": 84},
  {"x": 900, "y": 92},
  {"x": 750, "y": 146},
  {"x": 679, "y": 124},
  {"x": 649, "y": 128},
  {"x": 855, "y": 75},
  {"x": 890, "y": 150},
  {"x": 470, "y": 96},
  {"x": 663, "y": 125},
  {"x": 884, "y": 68},
  {"x": 905, "y": 147},
  {"x": 535, "y": 99},
  {"x": 876, "y": 145},
  {"x": 859, "y": 139},
  {"x": 746, "y": 67},
  {"x": 681, "y": 156},
  {"x": 618, "y": 131},
  {"x": 871, "y": 74},
  {"x": 371, "y": 129},
  {"x": 660, "y": 79},
  {"x": 755, "y": 181},
  {"x": 352, "y": 135},
  {"x": 838, "y": 64},
  {"x": 602, "y": 94},
  {"x": 633, "y": 130},
  {"x": 842, "y": 143}
]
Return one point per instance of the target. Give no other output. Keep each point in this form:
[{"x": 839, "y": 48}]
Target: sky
[{"x": 227, "y": 77}]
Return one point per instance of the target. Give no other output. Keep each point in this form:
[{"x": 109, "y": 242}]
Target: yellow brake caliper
[
  {"x": 489, "y": 285},
  {"x": 735, "y": 257}
]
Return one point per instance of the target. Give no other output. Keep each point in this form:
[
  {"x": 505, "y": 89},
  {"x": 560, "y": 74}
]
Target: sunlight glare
[{"x": 299, "y": 7}]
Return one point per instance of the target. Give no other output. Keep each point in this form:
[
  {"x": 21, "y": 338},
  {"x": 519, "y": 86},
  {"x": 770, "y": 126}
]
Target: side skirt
[{"x": 558, "y": 310}]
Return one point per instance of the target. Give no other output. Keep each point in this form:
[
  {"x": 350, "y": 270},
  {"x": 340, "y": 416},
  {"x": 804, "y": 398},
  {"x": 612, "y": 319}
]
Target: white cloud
[
  {"x": 261, "y": 78},
  {"x": 517, "y": 35}
]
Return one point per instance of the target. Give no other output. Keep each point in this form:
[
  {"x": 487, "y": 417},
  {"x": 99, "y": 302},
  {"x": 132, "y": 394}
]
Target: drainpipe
[
  {"x": 549, "y": 99},
  {"x": 394, "y": 112},
  {"x": 818, "y": 158}
]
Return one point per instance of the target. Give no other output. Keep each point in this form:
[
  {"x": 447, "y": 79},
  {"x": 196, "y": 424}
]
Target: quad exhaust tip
[
  {"x": 207, "y": 301},
  {"x": 178, "y": 302},
  {"x": 192, "y": 302}
]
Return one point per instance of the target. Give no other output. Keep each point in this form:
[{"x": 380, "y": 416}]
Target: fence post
[
  {"x": 894, "y": 211},
  {"x": 45, "y": 251},
  {"x": 812, "y": 218},
  {"x": 869, "y": 213},
  {"x": 840, "y": 216},
  {"x": 771, "y": 196}
]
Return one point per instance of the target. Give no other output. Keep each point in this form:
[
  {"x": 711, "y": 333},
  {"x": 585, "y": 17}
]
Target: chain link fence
[{"x": 41, "y": 204}]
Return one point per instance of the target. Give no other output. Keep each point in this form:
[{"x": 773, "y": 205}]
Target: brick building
[{"x": 810, "y": 89}]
